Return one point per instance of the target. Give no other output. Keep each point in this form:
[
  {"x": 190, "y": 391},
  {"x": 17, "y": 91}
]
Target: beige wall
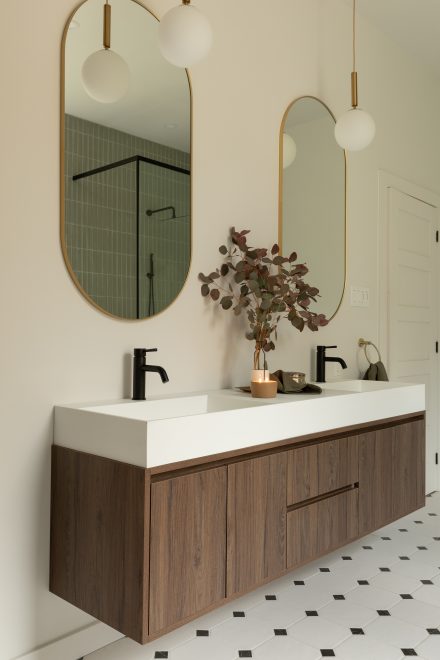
[{"x": 56, "y": 348}]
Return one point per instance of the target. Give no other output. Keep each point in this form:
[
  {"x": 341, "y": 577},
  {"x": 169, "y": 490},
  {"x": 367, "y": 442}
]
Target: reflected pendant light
[
  {"x": 355, "y": 129},
  {"x": 105, "y": 75},
  {"x": 185, "y": 35},
  {"x": 289, "y": 150}
]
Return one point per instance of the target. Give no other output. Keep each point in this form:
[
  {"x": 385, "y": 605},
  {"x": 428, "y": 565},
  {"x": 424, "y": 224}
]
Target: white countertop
[{"x": 176, "y": 428}]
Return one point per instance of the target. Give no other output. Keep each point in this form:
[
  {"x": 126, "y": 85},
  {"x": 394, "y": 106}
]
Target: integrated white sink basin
[{"x": 176, "y": 428}]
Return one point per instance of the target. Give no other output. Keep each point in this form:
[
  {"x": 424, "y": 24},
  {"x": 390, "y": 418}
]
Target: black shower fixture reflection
[{"x": 173, "y": 215}]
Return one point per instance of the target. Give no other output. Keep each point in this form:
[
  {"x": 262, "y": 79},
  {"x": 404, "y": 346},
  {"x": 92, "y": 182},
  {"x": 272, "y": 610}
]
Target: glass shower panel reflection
[
  {"x": 127, "y": 234},
  {"x": 164, "y": 236}
]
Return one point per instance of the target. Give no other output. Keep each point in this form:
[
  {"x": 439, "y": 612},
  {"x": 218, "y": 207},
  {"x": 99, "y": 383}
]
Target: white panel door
[{"x": 413, "y": 320}]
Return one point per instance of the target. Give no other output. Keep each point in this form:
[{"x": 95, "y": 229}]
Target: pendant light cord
[{"x": 354, "y": 35}]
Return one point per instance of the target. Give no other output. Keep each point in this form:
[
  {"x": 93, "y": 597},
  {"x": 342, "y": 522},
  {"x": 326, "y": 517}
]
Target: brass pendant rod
[
  {"x": 107, "y": 25},
  {"x": 354, "y": 80}
]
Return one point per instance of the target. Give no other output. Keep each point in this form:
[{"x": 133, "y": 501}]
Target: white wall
[{"x": 56, "y": 348}]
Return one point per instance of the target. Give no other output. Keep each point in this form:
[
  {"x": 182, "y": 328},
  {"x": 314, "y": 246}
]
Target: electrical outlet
[{"x": 360, "y": 296}]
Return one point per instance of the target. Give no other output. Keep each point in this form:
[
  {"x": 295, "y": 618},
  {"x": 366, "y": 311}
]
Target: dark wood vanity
[{"x": 146, "y": 550}]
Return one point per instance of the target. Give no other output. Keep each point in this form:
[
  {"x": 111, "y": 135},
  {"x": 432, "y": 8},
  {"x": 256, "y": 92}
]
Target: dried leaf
[
  {"x": 205, "y": 289},
  {"x": 205, "y": 278},
  {"x": 223, "y": 249},
  {"x": 224, "y": 270},
  {"x": 275, "y": 249},
  {"x": 215, "y": 294}
]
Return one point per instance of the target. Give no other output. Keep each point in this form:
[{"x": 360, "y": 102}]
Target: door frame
[{"x": 386, "y": 180}]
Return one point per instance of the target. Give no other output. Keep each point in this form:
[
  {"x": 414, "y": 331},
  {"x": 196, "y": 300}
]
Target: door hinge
[
  {"x": 436, "y": 346},
  {"x": 436, "y": 236},
  {"x": 436, "y": 458}
]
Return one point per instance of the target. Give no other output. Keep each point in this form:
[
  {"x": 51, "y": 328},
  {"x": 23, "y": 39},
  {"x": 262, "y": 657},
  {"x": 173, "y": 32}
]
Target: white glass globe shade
[
  {"x": 355, "y": 130},
  {"x": 289, "y": 150},
  {"x": 105, "y": 76},
  {"x": 185, "y": 36}
]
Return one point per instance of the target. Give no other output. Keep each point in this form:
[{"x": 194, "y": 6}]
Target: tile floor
[{"x": 375, "y": 599}]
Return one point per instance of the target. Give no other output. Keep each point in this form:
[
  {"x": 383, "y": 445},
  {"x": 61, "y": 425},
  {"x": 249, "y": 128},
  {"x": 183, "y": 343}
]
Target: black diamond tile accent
[
  {"x": 367, "y": 547},
  {"x": 311, "y": 613},
  {"x": 161, "y": 654},
  {"x": 403, "y": 530},
  {"x": 299, "y": 583},
  {"x": 271, "y": 597},
  {"x": 338, "y": 597},
  {"x": 409, "y": 651},
  {"x": 406, "y": 596},
  {"x": 280, "y": 631},
  {"x": 324, "y": 570},
  {"x": 433, "y": 631},
  {"x": 385, "y": 538},
  {"x": 363, "y": 583},
  {"x": 327, "y": 653},
  {"x": 385, "y": 570},
  {"x": 346, "y": 558},
  {"x": 202, "y": 633},
  {"x": 245, "y": 654},
  {"x": 432, "y": 514},
  {"x": 422, "y": 547},
  {"x": 426, "y": 581},
  {"x": 436, "y": 538},
  {"x": 404, "y": 558},
  {"x": 418, "y": 522},
  {"x": 239, "y": 614},
  {"x": 383, "y": 613},
  {"x": 357, "y": 631}
]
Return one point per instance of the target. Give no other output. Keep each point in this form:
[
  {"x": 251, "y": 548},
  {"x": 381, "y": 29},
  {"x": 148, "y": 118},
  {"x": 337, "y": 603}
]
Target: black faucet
[
  {"x": 321, "y": 359},
  {"x": 140, "y": 367}
]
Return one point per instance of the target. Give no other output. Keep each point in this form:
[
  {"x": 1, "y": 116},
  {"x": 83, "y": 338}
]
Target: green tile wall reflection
[{"x": 100, "y": 219}]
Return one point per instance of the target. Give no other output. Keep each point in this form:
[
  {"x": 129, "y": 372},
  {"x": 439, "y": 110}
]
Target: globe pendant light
[
  {"x": 289, "y": 150},
  {"x": 105, "y": 75},
  {"x": 355, "y": 129},
  {"x": 185, "y": 35}
]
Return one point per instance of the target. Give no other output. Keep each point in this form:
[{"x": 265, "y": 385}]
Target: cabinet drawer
[
  {"x": 317, "y": 469},
  {"x": 317, "y": 528}
]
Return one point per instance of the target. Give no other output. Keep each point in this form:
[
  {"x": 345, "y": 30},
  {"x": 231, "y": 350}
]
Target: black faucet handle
[{"x": 141, "y": 352}]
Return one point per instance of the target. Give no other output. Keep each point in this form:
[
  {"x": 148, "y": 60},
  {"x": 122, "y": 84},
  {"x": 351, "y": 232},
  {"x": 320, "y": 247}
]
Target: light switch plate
[{"x": 360, "y": 296}]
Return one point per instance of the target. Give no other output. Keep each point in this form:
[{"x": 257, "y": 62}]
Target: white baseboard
[{"x": 77, "y": 644}]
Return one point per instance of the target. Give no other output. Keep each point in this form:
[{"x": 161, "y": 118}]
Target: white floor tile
[
  {"x": 394, "y": 582},
  {"x": 395, "y": 632},
  {"x": 430, "y": 648},
  {"x": 362, "y": 647},
  {"x": 428, "y": 594},
  {"x": 348, "y": 614},
  {"x": 285, "y": 648},
  {"x": 318, "y": 632},
  {"x": 418, "y": 613},
  {"x": 371, "y": 597}
]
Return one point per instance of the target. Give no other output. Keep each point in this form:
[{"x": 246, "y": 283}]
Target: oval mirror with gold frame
[
  {"x": 312, "y": 198},
  {"x": 125, "y": 161}
]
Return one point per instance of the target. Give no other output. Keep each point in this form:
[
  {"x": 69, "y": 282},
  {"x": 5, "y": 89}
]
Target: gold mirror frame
[
  {"x": 280, "y": 190},
  {"x": 67, "y": 262}
]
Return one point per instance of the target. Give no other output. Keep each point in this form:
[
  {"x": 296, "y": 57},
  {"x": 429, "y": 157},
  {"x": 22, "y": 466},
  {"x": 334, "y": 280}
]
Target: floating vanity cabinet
[
  {"x": 256, "y": 521},
  {"x": 187, "y": 546},
  {"x": 391, "y": 473},
  {"x": 148, "y": 549}
]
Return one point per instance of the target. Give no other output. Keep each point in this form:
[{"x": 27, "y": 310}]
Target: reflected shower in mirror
[
  {"x": 126, "y": 189},
  {"x": 312, "y": 198}
]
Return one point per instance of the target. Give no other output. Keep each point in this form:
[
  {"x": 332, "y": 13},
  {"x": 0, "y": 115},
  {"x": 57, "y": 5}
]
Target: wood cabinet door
[
  {"x": 256, "y": 521},
  {"x": 408, "y": 468},
  {"x": 375, "y": 479},
  {"x": 188, "y": 546},
  {"x": 317, "y": 528},
  {"x": 320, "y": 468},
  {"x": 391, "y": 474}
]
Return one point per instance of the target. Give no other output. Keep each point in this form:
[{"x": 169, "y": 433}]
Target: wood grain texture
[
  {"x": 315, "y": 529},
  {"x": 256, "y": 548},
  {"x": 408, "y": 468},
  {"x": 321, "y": 468},
  {"x": 391, "y": 474},
  {"x": 99, "y": 558},
  {"x": 188, "y": 546}
]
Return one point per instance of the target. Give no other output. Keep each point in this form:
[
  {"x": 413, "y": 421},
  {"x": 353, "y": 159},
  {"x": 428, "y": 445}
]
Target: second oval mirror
[
  {"x": 126, "y": 191},
  {"x": 313, "y": 198}
]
